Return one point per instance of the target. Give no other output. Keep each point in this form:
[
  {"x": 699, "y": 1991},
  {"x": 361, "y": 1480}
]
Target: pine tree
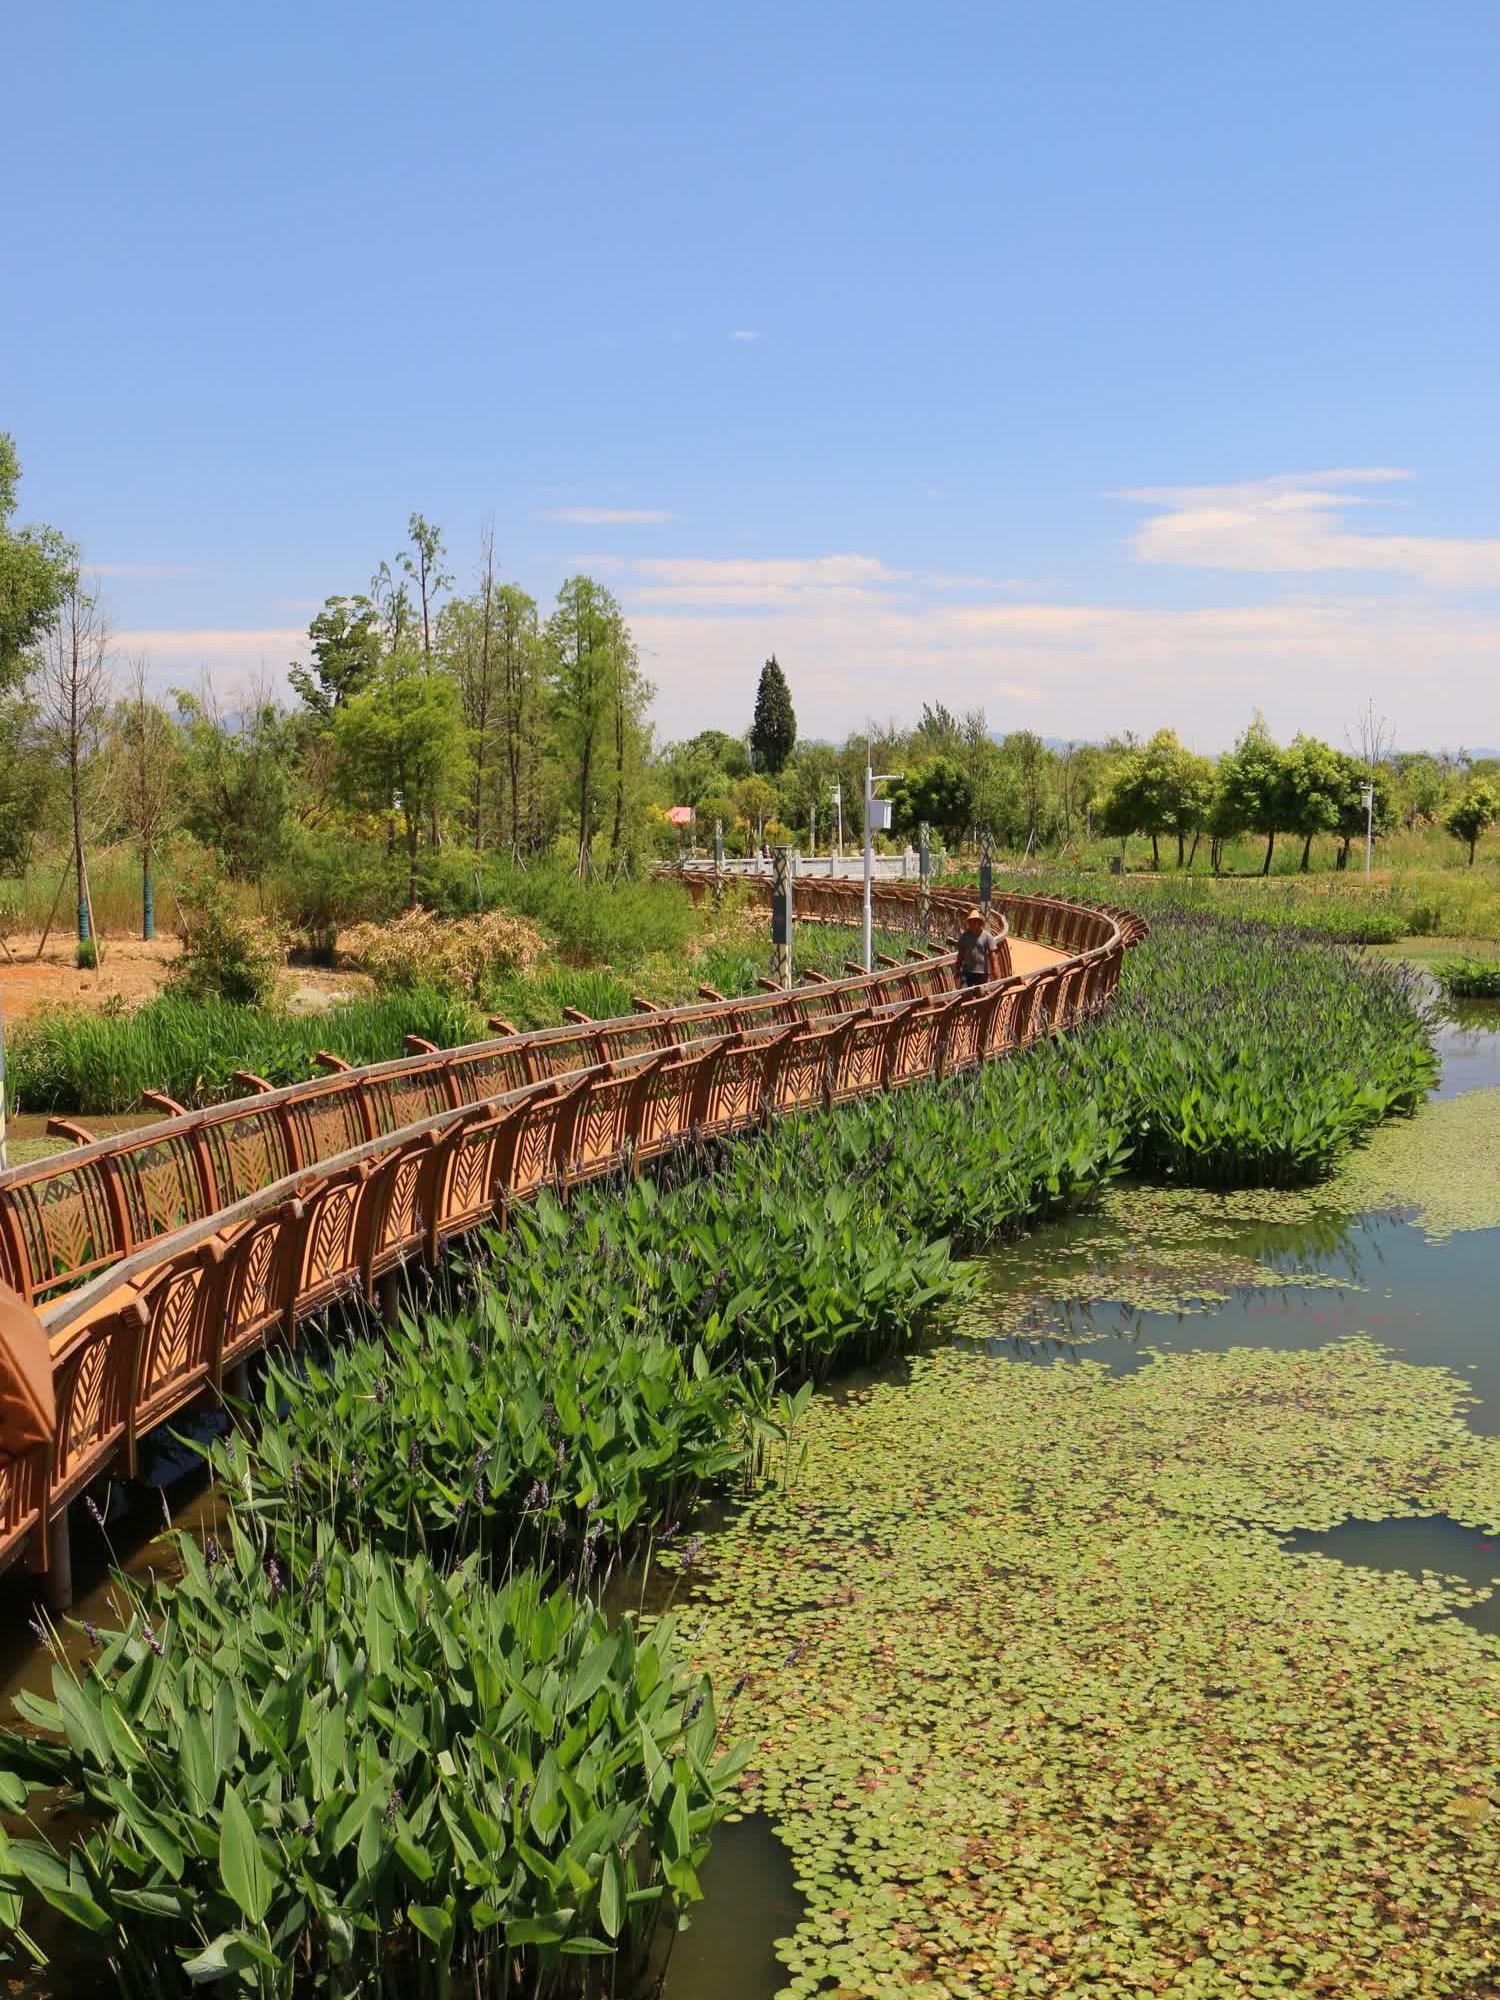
[{"x": 774, "y": 729}]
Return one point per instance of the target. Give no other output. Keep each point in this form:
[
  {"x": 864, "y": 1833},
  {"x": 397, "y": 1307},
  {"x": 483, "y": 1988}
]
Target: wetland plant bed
[{"x": 352, "y": 1775}]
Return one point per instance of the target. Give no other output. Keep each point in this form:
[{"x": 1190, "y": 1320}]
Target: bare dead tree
[
  {"x": 1370, "y": 737},
  {"x": 73, "y": 686}
]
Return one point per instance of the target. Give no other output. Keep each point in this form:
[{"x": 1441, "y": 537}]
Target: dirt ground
[{"x": 133, "y": 971}]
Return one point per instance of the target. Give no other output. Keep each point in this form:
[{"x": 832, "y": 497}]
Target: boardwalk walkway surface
[{"x": 138, "y": 1273}]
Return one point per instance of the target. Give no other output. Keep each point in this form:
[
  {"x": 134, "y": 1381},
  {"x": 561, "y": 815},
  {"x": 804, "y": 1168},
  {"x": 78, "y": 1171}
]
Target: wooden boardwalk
[{"x": 138, "y": 1273}]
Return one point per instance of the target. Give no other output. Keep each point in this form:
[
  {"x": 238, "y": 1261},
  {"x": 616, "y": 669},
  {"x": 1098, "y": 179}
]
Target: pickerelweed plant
[{"x": 360, "y": 1776}]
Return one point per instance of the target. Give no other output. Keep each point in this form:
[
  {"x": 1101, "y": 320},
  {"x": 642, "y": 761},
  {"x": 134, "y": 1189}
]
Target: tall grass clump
[
  {"x": 322, "y": 1771},
  {"x": 73, "y": 1060}
]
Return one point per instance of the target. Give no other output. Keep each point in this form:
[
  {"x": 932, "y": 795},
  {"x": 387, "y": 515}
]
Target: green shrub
[
  {"x": 86, "y": 954},
  {"x": 354, "y": 1776},
  {"x": 225, "y": 954},
  {"x": 1468, "y": 978},
  {"x": 595, "y": 922},
  {"x": 330, "y": 880}
]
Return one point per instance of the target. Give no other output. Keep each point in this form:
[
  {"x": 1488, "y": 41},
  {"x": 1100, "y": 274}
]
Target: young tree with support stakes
[
  {"x": 144, "y": 778},
  {"x": 73, "y": 682},
  {"x": 773, "y": 733}
]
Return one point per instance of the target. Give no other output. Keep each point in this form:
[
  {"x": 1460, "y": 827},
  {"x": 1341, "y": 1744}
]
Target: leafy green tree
[
  {"x": 1251, "y": 792},
  {"x": 237, "y": 780},
  {"x": 581, "y": 677},
  {"x": 520, "y": 719},
  {"x": 1423, "y": 786},
  {"x": 37, "y": 569},
  {"x": 806, "y": 787},
  {"x": 1315, "y": 780},
  {"x": 401, "y": 748},
  {"x": 941, "y": 794},
  {"x": 754, "y": 803},
  {"x": 1473, "y": 813},
  {"x": 773, "y": 733},
  {"x": 1160, "y": 788},
  {"x": 25, "y": 782},
  {"x": 423, "y": 564},
  {"x": 345, "y": 642}
]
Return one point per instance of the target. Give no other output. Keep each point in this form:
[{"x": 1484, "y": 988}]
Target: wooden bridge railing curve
[{"x": 159, "y": 1260}]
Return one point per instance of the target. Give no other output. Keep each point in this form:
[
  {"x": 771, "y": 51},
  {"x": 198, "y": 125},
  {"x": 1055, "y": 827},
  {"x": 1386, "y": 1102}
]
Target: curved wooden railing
[{"x": 158, "y": 1260}]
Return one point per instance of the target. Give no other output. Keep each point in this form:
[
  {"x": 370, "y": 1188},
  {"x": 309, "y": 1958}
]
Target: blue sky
[{"x": 1105, "y": 365}]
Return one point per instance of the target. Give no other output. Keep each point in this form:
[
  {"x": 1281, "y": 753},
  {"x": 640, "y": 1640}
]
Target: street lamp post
[
  {"x": 877, "y": 811},
  {"x": 1367, "y": 800}
]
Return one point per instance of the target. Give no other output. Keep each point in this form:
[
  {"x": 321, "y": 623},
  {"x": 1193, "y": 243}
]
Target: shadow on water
[
  {"x": 1414, "y": 1543},
  {"x": 750, "y": 1900}
]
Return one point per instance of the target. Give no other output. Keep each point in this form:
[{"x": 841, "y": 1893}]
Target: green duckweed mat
[
  {"x": 1042, "y": 1706},
  {"x": 1444, "y": 1162}
]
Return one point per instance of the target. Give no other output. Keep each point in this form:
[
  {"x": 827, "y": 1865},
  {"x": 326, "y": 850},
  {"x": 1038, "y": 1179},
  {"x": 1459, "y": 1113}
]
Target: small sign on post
[
  {"x": 986, "y": 878},
  {"x": 781, "y": 917}
]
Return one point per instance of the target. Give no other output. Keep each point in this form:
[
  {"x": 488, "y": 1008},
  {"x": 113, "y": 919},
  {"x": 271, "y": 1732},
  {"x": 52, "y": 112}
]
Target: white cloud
[
  {"x": 761, "y": 580},
  {"x": 604, "y": 517},
  {"x": 744, "y": 333},
  {"x": 1075, "y": 670},
  {"x": 1294, "y": 522}
]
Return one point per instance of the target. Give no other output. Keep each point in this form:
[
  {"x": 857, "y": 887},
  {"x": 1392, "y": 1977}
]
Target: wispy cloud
[
  {"x": 1294, "y": 523},
  {"x": 761, "y": 580},
  {"x": 744, "y": 333},
  {"x": 146, "y": 572},
  {"x": 604, "y": 517}
]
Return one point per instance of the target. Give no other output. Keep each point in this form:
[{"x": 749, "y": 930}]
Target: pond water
[{"x": 1259, "y": 1283}]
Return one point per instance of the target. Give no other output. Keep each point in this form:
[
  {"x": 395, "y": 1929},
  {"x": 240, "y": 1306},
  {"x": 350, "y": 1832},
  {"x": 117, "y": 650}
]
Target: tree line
[{"x": 432, "y": 727}]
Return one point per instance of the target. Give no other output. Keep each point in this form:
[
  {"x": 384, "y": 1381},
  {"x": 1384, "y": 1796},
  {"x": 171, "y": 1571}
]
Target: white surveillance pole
[
  {"x": 838, "y": 800},
  {"x": 872, "y": 806},
  {"x": 1367, "y": 800}
]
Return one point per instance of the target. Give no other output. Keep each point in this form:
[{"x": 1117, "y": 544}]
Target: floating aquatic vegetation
[
  {"x": 1445, "y": 1163},
  {"x": 1148, "y": 1250},
  {"x": 1040, "y": 1705}
]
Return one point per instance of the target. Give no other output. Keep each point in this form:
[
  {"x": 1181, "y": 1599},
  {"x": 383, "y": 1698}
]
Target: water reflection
[
  {"x": 1467, "y": 1037},
  {"x": 1433, "y": 1303},
  {"x": 1414, "y": 1543}
]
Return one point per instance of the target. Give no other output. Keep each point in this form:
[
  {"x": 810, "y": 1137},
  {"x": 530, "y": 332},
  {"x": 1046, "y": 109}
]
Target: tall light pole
[
  {"x": 838, "y": 802},
  {"x": 875, "y": 809},
  {"x": 1367, "y": 800}
]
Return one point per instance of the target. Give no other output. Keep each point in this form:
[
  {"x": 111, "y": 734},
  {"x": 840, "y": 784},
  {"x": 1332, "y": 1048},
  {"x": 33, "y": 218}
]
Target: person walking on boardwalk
[{"x": 975, "y": 947}]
